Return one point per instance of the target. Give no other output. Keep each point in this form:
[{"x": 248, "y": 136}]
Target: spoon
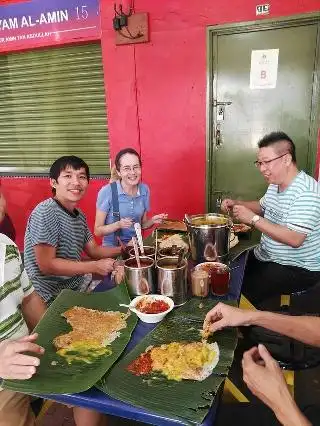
[
  {"x": 137, "y": 228},
  {"x": 180, "y": 258},
  {"x": 128, "y": 306},
  {"x": 136, "y": 251},
  {"x": 187, "y": 218}
]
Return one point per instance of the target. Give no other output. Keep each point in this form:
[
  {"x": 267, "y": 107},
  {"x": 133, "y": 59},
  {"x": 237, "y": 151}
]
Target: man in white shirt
[{"x": 20, "y": 310}]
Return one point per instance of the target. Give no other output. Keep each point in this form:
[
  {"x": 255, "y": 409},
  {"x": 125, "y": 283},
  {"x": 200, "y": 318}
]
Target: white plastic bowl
[{"x": 152, "y": 318}]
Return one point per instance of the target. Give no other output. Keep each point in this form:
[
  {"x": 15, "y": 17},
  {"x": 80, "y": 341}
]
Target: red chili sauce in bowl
[{"x": 152, "y": 307}]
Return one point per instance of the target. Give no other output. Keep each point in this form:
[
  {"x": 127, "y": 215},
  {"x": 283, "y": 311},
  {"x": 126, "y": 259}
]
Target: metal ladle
[{"x": 180, "y": 258}]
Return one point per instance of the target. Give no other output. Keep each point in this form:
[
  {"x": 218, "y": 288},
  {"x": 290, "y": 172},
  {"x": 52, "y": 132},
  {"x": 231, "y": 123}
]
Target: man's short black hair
[
  {"x": 62, "y": 163},
  {"x": 276, "y": 137},
  {"x": 122, "y": 153}
]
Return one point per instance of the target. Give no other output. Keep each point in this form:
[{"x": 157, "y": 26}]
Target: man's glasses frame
[{"x": 267, "y": 162}]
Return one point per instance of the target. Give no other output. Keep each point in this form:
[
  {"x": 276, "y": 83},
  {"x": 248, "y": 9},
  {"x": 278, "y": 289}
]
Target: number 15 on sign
[{"x": 81, "y": 12}]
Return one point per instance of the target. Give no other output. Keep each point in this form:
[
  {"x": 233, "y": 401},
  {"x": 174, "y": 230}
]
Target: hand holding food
[
  {"x": 118, "y": 273},
  {"x": 227, "y": 204},
  {"x": 158, "y": 218},
  {"x": 222, "y": 316},
  {"x": 13, "y": 363},
  {"x": 243, "y": 214},
  {"x": 125, "y": 222},
  {"x": 104, "y": 266}
]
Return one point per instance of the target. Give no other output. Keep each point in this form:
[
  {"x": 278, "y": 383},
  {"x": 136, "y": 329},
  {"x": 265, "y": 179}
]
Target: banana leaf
[
  {"x": 187, "y": 401},
  {"x": 79, "y": 376}
]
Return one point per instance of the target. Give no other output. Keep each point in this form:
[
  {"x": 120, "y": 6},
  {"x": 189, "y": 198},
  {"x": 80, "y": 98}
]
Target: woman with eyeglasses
[{"x": 123, "y": 202}]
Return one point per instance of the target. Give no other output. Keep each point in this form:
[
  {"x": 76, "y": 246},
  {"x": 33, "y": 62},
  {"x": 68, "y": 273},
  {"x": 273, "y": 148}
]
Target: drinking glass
[
  {"x": 199, "y": 283},
  {"x": 220, "y": 277}
]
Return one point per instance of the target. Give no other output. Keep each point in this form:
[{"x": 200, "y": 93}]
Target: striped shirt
[
  {"x": 14, "y": 286},
  {"x": 50, "y": 223},
  {"x": 297, "y": 208}
]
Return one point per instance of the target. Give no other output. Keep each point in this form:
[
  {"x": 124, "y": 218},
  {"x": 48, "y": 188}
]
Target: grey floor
[{"x": 307, "y": 387}]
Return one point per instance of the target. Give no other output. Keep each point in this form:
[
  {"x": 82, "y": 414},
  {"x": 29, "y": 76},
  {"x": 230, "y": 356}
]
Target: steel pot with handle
[
  {"x": 140, "y": 280},
  {"x": 209, "y": 236},
  {"x": 172, "y": 279}
]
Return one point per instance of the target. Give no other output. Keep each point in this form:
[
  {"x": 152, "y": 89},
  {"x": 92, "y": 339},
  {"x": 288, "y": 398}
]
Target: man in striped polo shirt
[
  {"x": 57, "y": 234},
  {"x": 20, "y": 310},
  {"x": 288, "y": 215}
]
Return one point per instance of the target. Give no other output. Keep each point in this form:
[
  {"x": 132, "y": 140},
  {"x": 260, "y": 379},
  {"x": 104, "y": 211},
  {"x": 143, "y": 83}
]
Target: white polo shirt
[{"x": 14, "y": 286}]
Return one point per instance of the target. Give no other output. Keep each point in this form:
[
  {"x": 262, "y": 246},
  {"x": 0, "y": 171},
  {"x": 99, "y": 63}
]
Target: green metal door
[{"x": 240, "y": 116}]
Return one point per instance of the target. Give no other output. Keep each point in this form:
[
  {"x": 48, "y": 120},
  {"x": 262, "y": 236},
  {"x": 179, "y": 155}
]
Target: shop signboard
[{"x": 35, "y": 23}]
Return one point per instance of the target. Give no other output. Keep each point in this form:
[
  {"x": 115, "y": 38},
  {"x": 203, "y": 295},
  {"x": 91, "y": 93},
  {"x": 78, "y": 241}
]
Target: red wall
[
  {"x": 156, "y": 95},
  {"x": 156, "y": 92}
]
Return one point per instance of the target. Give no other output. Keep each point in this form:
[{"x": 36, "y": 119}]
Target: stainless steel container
[
  {"x": 149, "y": 251},
  {"x": 172, "y": 281},
  {"x": 140, "y": 280},
  {"x": 209, "y": 236}
]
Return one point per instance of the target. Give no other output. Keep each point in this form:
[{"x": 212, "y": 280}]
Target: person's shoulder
[
  {"x": 306, "y": 184},
  {"x": 105, "y": 190},
  {"x": 47, "y": 205},
  {"x": 81, "y": 214},
  {"x": 144, "y": 189},
  {"x": 272, "y": 188}
]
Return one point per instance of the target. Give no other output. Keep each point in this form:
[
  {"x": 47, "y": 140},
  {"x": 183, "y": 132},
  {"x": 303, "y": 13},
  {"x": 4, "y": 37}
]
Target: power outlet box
[{"x": 137, "y": 30}]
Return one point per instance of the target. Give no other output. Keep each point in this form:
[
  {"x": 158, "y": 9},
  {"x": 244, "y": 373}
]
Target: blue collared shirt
[{"x": 133, "y": 207}]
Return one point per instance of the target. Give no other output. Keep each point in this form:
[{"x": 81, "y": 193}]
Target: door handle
[
  {"x": 221, "y": 103},
  {"x": 218, "y": 136}
]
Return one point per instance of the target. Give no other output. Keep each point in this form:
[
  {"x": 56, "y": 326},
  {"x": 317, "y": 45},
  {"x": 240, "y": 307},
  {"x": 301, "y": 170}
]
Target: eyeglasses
[
  {"x": 127, "y": 169},
  {"x": 267, "y": 162}
]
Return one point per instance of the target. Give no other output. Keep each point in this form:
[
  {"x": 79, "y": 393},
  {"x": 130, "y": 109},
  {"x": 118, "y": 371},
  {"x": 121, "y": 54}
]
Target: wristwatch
[{"x": 255, "y": 219}]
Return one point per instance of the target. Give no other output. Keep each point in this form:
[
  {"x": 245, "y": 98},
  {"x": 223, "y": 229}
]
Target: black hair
[
  {"x": 123, "y": 152},
  {"x": 62, "y": 163},
  {"x": 276, "y": 137}
]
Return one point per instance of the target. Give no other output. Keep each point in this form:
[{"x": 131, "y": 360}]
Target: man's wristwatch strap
[{"x": 255, "y": 219}]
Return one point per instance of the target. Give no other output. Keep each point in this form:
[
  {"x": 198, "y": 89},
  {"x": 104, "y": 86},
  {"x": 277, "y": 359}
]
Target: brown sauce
[
  {"x": 168, "y": 266},
  {"x": 143, "y": 263},
  {"x": 148, "y": 251}
]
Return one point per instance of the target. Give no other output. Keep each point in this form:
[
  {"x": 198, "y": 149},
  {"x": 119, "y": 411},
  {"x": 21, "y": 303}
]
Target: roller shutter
[{"x": 53, "y": 104}]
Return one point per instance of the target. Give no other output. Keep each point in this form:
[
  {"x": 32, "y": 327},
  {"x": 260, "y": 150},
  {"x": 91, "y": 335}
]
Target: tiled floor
[{"x": 307, "y": 385}]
